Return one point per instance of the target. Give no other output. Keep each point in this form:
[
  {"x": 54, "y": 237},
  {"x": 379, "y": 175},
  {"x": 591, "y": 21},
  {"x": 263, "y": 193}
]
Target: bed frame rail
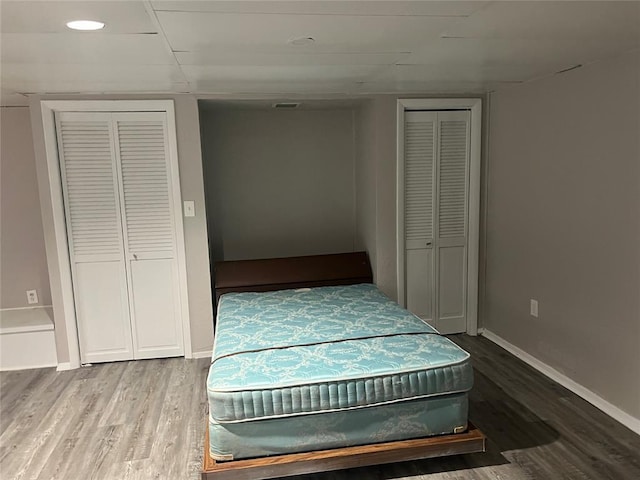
[{"x": 471, "y": 441}]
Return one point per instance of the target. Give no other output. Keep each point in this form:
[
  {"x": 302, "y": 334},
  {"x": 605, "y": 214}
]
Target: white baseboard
[
  {"x": 597, "y": 401},
  {"x": 64, "y": 366},
  {"x": 203, "y": 354},
  {"x": 30, "y": 366}
]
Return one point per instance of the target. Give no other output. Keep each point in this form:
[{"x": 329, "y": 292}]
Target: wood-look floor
[{"x": 146, "y": 420}]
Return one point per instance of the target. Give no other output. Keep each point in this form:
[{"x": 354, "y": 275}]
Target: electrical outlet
[
  {"x": 534, "y": 308},
  {"x": 32, "y": 297}
]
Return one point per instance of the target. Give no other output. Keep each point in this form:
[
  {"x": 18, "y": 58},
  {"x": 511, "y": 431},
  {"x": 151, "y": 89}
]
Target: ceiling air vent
[{"x": 287, "y": 105}]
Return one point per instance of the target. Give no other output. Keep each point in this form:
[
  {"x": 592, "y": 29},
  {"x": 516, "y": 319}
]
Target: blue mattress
[{"x": 293, "y": 353}]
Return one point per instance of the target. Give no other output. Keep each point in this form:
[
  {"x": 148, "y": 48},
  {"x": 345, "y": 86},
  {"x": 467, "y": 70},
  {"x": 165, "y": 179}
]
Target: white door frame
[
  {"x": 49, "y": 108},
  {"x": 474, "y": 105}
]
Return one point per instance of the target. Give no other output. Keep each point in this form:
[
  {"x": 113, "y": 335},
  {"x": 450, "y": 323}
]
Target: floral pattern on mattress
[{"x": 324, "y": 349}]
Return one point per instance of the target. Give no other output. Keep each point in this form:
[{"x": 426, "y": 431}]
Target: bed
[{"x": 313, "y": 369}]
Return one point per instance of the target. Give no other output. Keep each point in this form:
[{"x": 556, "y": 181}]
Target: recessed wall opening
[{"x": 279, "y": 181}]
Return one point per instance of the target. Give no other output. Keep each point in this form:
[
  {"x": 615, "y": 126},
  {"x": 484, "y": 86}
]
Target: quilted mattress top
[{"x": 296, "y": 352}]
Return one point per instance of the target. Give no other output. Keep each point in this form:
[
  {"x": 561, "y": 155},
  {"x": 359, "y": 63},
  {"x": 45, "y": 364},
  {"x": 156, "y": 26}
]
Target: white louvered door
[
  {"x": 94, "y": 231},
  {"x": 452, "y": 223},
  {"x": 436, "y": 216},
  {"x": 420, "y": 153},
  {"x": 122, "y": 240},
  {"x": 150, "y": 244}
]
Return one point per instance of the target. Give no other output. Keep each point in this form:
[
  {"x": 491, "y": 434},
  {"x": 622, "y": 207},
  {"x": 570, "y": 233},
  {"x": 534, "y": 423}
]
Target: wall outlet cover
[{"x": 32, "y": 297}]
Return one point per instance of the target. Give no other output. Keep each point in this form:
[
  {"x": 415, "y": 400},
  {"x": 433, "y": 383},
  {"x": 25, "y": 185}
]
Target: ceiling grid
[{"x": 254, "y": 47}]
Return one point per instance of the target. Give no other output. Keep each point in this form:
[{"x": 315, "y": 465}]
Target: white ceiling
[{"x": 241, "y": 47}]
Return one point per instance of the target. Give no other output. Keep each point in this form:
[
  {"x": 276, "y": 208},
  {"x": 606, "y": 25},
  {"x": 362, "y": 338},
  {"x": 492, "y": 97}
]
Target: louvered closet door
[
  {"x": 436, "y": 171},
  {"x": 419, "y": 193},
  {"x": 94, "y": 230},
  {"x": 149, "y": 233},
  {"x": 452, "y": 223}
]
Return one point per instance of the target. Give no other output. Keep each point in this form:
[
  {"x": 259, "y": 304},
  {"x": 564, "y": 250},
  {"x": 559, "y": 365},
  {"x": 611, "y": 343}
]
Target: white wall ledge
[
  {"x": 27, "y": 338},
  {"x": 30, "y": 319}
]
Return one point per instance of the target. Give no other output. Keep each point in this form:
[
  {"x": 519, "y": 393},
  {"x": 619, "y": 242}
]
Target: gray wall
[
  {"x": 563, "y": 224},
  {"x": 23, "y": 261},
  {"x": 385, "y": 107},
  {"x": 376, "y": 188},
  {"x": 365, "y": 132},
  {"x": 279, "y": 183},
  {"x": 195, "y": 229}
]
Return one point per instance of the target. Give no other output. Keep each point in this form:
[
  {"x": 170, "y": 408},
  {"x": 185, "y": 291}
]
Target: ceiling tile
[
  {"x": 286, "y": 80},
  {"x": 553, "y": 20},
  {"x": 422, "y": 87},
  {"x": 15, "y": 76},
  {"x": 457, "y": 73},
  {"x": 526, "y": 58},
  {"x": 289, "y": 74},
  {"x": 361, "y": 46},
  {"x": 499, "y": 51},
  {"x": 257, "y": 33},
  {"x": 73, "y": 87},
  {"x": 77, "y": 48},
  {"x": 280, "y": 88},
  {"x": 52, "y": 16},
  {"x": 208, "y": 57},
  {"x": 444, "y": 8}
]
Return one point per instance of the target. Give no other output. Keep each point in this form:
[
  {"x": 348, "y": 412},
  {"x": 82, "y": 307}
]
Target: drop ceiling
[{"x": 239, "y": 48}]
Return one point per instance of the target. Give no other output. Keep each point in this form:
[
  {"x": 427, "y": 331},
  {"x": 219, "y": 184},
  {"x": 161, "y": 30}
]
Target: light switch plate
[
  {"x": 189, "y": 208},
  {"x": 533, "y": 308}
]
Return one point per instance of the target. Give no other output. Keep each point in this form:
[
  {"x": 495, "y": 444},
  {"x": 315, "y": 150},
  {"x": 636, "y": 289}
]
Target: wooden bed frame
[
  {"x": 316, "y": 271},
  {"x": 471, "y": 441},
  {"x": 293, "y": 272}
]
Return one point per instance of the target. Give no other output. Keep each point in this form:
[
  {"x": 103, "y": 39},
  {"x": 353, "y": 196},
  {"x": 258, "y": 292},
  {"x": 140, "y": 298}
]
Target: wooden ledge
[
  {"x": 294, "y": 272},
  {"x": 471, "y": 441}
]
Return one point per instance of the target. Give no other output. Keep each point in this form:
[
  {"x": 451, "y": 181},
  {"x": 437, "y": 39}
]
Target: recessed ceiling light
[
  {"x": 300, "y": 41},
  {"x": 85, "y": 25}
]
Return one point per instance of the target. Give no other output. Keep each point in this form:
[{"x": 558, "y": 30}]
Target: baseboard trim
[
  {"x": 63, "y": 366},
  {"x": 25, "y": 367},
  {"x": 597, "y": 401},
  {"x": 203, "y": 354}
]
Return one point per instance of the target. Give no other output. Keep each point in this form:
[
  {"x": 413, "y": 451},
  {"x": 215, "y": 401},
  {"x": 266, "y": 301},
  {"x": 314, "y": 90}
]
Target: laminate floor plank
[
  {"x": 172, "y": 422},
  {"x": 146, "y": 420},
  {"x": 31, "y": 458},
  {"x": 15, "y": 389},
  {"x": 141, "y": 409},
  {"x": 27, "y": 410}
]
